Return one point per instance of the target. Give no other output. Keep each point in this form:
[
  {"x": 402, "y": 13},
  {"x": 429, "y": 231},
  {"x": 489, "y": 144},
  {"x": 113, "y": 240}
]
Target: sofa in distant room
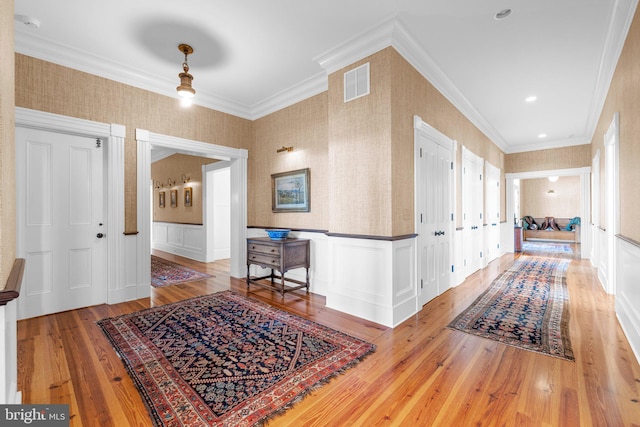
[{"x": 551, "y": 229}]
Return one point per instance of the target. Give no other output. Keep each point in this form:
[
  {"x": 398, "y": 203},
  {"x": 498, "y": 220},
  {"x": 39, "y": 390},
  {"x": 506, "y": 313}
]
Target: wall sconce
[
  {"x": 170, "y": 182},
  {"x": 185, "y": 179},
  {"x": 283, "y": 149},
  {"x": 157, "y": 184},
  {"x": 185, "y": 90},
  {"x": 551, "y": 192}
]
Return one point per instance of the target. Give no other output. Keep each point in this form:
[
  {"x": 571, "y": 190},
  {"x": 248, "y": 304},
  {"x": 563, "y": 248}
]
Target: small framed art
[
  {"x": 174, "y": 198},
  {"x": 188, "y": 195}
]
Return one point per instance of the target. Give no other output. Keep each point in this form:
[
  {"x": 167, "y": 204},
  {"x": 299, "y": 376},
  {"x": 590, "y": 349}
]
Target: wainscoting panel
[
  {"x": 628, "y": 292},
  {"x": 9, "y": 393},
  {"x": 373, "y": 279},
  {"x": 185, "y": 240}
]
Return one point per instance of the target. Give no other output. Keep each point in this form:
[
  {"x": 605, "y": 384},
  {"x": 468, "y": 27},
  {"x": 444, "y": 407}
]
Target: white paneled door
[
  {"x": 60, "y": 221},
  {"x": 472, "y": 210},
  {"x": 434, "y": 178}
]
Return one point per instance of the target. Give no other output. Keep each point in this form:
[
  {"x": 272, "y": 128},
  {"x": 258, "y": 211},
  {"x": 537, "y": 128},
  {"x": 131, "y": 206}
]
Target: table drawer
[
  {"x": 264, "y": 259},
  {"x": 264, "y": 248}
]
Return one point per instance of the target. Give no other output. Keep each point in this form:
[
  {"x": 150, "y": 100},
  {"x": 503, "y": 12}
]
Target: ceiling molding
[
  {"x": 548, "y": 173},
  {"x": 358, "y": 47},
  {"x": 299, "y": 92},
  {"x": 619, "y": 25},
  {"x": 546, "y": 145}
]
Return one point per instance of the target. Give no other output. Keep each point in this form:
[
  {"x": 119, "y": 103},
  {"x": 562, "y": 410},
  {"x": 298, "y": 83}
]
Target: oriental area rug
[
  {"x": 165, "y": 273},
  {"x": 226, "y": 360},
  {"x": 546, "y": 247},
  {"x": 527, "y": 306}
]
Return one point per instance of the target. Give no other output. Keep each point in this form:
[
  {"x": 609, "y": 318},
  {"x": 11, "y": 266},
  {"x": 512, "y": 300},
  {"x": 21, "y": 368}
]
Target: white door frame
[
  {"x": 208, "y": 207},
  {"x": 585, "y": 200},
  {"x": 238, "y": 166},
  {"x": 113, "y": 137},
  {"x": 612, "y": 189},
  {"x": 448, "y": 144}
]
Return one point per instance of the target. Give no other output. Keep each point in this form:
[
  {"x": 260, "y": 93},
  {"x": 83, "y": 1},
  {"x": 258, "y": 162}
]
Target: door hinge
[
  {"x": 421, "y": 284},
  {"x": 420, "y": 218},
  {"x": 480, "y": 254},
  {"x": 421, "y": 152},
  {"x": 98, "y": 143},
  {"x": 451, "y": 165},
  {"x": 452, "y": 268},
  {"x": 451, "y": 217}
]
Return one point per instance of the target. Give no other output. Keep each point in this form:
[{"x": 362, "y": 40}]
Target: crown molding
[
  {"x": 546, "y": 145},
  {"x": 296, "y": 93},
  {"x": 360, "y": 46},
  {"x": 619, "y": 24}
]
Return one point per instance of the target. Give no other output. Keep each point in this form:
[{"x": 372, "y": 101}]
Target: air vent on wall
[{"x": 356, "y": 83}]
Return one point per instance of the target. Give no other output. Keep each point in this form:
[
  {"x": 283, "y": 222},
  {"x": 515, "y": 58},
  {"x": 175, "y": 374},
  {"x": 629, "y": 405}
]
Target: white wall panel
[{"x": 628, "y": 292}]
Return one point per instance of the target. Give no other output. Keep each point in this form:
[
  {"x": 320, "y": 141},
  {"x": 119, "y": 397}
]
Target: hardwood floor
[{"x": 421, "y": 374}]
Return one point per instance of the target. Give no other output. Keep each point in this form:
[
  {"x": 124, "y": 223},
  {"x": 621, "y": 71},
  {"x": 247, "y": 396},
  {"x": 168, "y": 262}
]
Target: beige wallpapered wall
[
  {"x": 564, "y": 202},
  {"x": 624, "y": 97},
  {"x": 360, "y": 174},
  {"x": 302, "y": 126},
  {"x": 52, "y": 88},
  {"x": 577, "y": 156},
  {"x": 175, "y": 170},
  {"x": 7, "y": 143}
]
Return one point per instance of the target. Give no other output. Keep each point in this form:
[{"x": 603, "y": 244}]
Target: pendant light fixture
[{"x": 185, "y": 90}]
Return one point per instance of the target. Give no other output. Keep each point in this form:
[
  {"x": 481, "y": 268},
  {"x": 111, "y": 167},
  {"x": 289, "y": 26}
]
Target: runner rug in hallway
[
  {"x": 547, "y": 247},
  {"x": 224, "y": 359},
  {"x": 165, "y": 273},
  {"x": 527, "y": 306}
]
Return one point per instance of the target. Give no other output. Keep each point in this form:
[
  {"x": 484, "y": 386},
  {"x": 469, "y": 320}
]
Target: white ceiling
[{"x": 253, "y": 57}]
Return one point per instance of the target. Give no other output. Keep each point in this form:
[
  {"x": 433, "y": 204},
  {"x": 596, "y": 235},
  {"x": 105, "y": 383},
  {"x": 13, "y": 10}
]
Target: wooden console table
[{"x": 281, "y": 256}]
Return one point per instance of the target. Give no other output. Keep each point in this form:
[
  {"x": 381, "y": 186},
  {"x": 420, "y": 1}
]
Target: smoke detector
[
  {"x": 29, "y": 21},
  {"x": 502, "y": 14}
]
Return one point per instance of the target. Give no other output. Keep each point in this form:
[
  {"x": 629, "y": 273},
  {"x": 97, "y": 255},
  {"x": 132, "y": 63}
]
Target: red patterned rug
[
  {"x": 226, "y": 360},
  {"x": 165, "y": 273},
  {"x": 527, "y": 306}
]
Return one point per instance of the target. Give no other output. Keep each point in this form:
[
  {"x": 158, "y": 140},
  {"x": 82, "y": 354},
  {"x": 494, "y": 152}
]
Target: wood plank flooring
[{"x": 422, "y": 374}]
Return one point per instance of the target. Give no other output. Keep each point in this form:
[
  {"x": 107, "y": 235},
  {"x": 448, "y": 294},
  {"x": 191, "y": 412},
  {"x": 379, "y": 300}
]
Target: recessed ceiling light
[
  {"x": 531, "y": 98},
  {"x": 542, "y": 135},
  {"x": 502, "y": 14}
]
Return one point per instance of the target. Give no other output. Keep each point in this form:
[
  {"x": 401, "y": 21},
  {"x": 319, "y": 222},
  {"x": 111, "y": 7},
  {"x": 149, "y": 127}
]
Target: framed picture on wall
[
  {"x": 174, "y": 198},
  {"x": 290, "y": 191},
  {"x": 187, "y": 196},
  {"x": 161, "y": 199}
]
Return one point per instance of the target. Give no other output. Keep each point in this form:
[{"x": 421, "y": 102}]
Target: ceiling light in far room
[
  {"x": 502, "y": 14},
  {"x": 553, "y": 178},
  {"x": 531, "y": 98},
  {"x": 185, "y": 90},
  {"x": 542, "y": 135}
]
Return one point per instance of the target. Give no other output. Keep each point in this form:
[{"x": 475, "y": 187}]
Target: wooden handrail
[{"x": 14, "y": 282}]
